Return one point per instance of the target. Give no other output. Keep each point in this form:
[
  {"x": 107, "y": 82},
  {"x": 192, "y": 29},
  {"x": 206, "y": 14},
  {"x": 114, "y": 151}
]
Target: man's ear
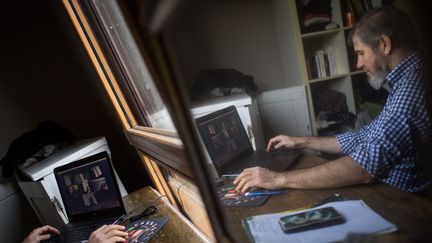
[{"x": 385, "y": 44}]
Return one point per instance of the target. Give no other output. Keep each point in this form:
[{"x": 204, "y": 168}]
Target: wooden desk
[
  {"x": 178, "y": 228},
  {"x": 410, "y": 213}
]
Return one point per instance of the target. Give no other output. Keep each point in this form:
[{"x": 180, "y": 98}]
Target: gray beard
[{"x": 376, "y": 80}]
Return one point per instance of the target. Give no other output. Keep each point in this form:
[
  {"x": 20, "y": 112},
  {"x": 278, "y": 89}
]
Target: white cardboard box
[
  {"x": 285, "y": 111},
  {"x": 41, "y": 189}
]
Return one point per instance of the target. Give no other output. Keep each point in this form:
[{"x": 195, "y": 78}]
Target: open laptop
[
  {"x": 229, "y": 147},
  {"x": 90, "y": 195}
]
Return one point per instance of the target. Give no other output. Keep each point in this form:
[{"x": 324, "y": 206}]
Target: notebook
[
  {"x": 229, "y": 147},
  {"x": 90, "y": 195}
]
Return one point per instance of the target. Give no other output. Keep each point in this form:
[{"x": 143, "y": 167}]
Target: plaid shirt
[{"x": 390, "y": 147}]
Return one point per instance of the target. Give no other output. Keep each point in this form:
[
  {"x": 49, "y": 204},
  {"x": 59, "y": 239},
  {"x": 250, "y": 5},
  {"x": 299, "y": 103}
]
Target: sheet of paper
[{"x": 359, "y": 218}]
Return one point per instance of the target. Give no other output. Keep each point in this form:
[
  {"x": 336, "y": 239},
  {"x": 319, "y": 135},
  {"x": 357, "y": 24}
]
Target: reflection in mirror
[
  {"x": 238, "y": 53},
  {"x": 132, "y": 63},
  {"x": 251, "y": 57}
]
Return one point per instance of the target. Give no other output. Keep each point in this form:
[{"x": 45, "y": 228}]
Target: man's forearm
[
  {"x": 323, "y": 144},
  {"x": 341, "y": 172}
]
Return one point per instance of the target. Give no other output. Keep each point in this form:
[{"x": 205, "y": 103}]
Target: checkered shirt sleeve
[{"x": 390, "y": 146}]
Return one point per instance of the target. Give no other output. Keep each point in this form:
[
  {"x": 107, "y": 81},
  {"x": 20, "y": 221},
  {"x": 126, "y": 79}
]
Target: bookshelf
[{"x": 328, "y": 63}]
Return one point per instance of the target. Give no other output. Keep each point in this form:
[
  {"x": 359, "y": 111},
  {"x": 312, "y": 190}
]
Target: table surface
[
  {"x": 178, "y": 228},
  {"x": 410, "y": 213}
]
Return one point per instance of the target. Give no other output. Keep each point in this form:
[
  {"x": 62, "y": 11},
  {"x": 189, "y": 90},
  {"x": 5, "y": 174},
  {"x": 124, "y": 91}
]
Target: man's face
[{"x": 372, "y": 62}]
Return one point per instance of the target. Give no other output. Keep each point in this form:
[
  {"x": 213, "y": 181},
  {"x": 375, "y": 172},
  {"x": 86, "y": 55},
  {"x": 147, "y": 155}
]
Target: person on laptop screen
[
  {"x": 106, "y": 233},
  {"x": 391, "y": 149}
]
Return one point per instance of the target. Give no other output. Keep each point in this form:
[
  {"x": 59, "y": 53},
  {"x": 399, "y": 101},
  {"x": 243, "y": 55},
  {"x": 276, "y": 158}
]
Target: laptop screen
[
  {"x": 88, "y": 187},
  {"x": 224, "y": 135}
]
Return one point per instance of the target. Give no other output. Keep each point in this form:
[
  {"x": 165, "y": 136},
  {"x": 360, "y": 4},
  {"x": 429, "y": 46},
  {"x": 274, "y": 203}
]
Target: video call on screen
[
  {"x": 88, "y": 188},
  {"x": 225, "y": 138}
]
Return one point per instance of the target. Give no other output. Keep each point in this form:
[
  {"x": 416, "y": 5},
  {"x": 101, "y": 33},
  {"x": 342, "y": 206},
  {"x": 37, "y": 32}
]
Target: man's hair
[{"x": 388, "y": 21}]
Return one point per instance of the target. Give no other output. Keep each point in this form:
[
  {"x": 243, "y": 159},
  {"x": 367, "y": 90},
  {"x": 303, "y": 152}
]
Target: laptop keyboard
[
  {"x": 75, "y": 232},
  {"x": 260, "y": 159}
]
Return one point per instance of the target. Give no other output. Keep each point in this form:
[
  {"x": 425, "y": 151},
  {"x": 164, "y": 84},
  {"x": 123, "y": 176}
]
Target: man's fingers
[
  {"x": 247, "y": 186},
  {"x": 272, "y": 142},
  {"x": 241, "y": 183},
  {"x": 116, "y": 232},
  {"x": 109, "y": 233},
  {"x": 239, "y": 177},
  {"x": 44, "y": 237},
  {"x": 277, "y": 146},
  {"x": 118, "y": 239},
  {"x": 50, "y": 229},
  {"x": 245, "y": 183},
  {"x": 113, "y": 227},
  {"x": 269, "y": 146},
  {"x": 244, "y": 173}
]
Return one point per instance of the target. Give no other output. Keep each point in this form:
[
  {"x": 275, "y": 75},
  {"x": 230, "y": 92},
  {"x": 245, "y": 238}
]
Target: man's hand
[
  {"x": 323, "y": 144},
  {"x": 257, "y": 177},
  {"x": 282, "y": 141},
  {"x": 41, "y": 233},
  {"x": 108, "y": 233}
]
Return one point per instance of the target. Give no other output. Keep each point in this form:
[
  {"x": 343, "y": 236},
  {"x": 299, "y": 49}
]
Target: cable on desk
[
  {"x": 178, "y": 194},
  {"x": 145, "y": 205}
]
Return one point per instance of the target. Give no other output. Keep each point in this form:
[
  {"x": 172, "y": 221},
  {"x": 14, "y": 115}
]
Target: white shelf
[
  {"x": 316, "y": 80},
  {"x": 321, "y": 33}
]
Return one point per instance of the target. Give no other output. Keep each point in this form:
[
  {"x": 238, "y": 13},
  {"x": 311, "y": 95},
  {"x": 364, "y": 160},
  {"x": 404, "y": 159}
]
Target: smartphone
[{"x": 311, "y": 219}]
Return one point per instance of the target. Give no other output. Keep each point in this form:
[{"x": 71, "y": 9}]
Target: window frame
[
  {"x": 180, "y": 151},
  {"x": 165, "y": 147}
]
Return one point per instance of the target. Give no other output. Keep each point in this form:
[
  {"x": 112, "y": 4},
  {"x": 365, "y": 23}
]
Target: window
[
  {"x": 132, "y": 63},
  {"x": 138, "y": 79},
  {"x": 133, "y": 79}
]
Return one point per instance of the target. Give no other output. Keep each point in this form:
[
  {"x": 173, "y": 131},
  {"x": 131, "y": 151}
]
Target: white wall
[{"x": 228, "y": 34}]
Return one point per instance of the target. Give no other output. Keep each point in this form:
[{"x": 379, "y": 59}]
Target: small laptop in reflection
[
  {"x": 90, "y": 195},
  {"x": 229, "y": 147}
]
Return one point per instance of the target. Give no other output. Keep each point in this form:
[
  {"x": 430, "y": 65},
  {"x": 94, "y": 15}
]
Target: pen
[
  {"x": 263, "y": 193},
  {"x": 230, "y": 175},
  {"x": 119, "y": 219}
]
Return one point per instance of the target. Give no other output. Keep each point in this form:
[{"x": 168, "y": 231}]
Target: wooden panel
[
  {"x": 177, "y": 229},
  {"x": 162, "y": 148},
  {"x": 191, "y": 203}
]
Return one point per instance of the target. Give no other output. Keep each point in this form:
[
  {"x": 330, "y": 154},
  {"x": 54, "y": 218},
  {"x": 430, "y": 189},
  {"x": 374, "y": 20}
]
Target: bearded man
[{"x": 391, "y": 149}]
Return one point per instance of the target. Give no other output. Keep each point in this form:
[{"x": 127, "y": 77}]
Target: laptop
[
  {"x": 90, "y": 195},
  {"x": 230, "y": 149}
]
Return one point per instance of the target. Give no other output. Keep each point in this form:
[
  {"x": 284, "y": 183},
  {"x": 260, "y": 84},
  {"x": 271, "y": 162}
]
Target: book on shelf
[{"x": 323, "y": 63}]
